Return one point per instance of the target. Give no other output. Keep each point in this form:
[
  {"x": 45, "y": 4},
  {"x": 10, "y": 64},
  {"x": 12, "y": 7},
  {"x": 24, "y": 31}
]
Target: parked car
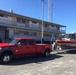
[{"x": 22, "y": 47}]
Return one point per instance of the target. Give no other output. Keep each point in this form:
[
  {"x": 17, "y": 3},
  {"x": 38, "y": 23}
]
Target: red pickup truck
[{"x": 22, "y": 47}]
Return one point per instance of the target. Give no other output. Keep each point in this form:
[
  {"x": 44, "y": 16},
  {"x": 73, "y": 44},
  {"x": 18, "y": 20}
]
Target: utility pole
[{"x": 42, "y": 37}]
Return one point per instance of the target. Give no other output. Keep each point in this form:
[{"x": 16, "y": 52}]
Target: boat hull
[{"x": 66, "y": 43}]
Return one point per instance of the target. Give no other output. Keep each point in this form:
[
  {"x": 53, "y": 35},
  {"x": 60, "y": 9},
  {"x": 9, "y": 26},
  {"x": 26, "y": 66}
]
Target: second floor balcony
[
  {"x": 8, "y": 22},
  {"x": 5, "y": 21}
]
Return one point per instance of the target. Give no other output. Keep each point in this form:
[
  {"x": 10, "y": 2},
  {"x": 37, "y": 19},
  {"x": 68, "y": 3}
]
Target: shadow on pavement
[
  {"x": 67, "y": 52},
  {"x": 71, "y": 52},
  {"x": 33, "y": 59}
]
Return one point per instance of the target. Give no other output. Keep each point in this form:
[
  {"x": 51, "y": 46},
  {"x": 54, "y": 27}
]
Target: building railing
[
  {"x": 5, "y": 21},
  {"x": 8, "y": 22},
  {"x": 62, "y": 31},
  {"x": 20, "y": 24}
]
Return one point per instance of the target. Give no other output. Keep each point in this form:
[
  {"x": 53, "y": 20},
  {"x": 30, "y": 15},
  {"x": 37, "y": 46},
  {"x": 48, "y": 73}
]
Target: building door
[
  {"x": 2, "y": 34},
  {"x": 6, "y": 34}
]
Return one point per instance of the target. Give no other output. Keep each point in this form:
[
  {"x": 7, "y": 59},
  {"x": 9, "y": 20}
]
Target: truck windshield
[{"x": 13, "y": 42}]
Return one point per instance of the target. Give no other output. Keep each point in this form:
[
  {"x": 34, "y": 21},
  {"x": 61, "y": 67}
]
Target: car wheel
[
  {"x": 47, "y": 53},
  {"x": 5, "y": 58}
]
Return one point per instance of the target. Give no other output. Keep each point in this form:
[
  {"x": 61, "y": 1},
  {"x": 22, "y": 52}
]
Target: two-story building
[{"x": 15, "y": 25}]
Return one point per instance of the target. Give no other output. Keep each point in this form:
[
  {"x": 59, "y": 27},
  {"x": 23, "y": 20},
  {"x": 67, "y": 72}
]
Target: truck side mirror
[{"x": 18, "y": 44}]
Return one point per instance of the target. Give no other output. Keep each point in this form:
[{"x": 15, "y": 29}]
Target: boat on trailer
[
  {"x": 70, "y": 43},
  {"x": 65, "y": 44}
]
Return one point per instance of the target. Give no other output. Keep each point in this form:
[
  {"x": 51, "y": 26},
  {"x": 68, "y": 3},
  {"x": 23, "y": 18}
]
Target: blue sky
[{"x": 64, "y": 11}]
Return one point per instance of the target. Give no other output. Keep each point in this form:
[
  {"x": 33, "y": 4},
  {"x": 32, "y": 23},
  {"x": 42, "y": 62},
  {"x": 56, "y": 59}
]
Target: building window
[
  {"x": 26, "y": 33},
  {"x": 48, "y": 35},
  {"x": 23, "y": 21},
  {"x": 6, "y": 16},
  {"x": 34, "y": 34},
  {"x": 45, "y": 35},
  {"x": 18, "y": 20},
  {"x": 16, "y": 32},
  {"x": 46, "y": 26},
  {"x": 34, "y": 22},
  {"x": 1, "y": 15}
]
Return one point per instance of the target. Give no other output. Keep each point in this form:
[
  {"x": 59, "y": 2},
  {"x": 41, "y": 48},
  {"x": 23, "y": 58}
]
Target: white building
[{"x": 15, "y": 25}]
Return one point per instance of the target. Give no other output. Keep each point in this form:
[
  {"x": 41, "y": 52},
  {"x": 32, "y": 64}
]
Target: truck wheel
[
  {"x": 47, "y": 53},
  {"x": 5, "y": 58}
]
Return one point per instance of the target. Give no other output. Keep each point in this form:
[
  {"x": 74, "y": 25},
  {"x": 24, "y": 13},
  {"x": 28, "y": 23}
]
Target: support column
[{"x": 11, "y": 33}]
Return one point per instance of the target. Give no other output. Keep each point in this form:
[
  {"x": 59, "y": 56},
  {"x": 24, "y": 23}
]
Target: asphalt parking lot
[{"x": 56, "y": 64}]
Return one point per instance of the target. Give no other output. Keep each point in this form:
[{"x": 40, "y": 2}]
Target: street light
[{"x": 42, "y": 39}]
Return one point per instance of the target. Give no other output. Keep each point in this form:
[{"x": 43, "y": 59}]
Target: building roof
[{"x": 28, "y": 18}]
